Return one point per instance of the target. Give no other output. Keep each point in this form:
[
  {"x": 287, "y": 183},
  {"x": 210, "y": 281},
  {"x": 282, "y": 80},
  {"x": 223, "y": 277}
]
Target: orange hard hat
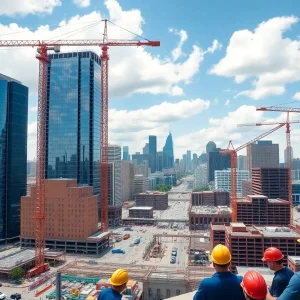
[
  {"x": 272, "y": 254},
  {"x": 254, "y": 285}
]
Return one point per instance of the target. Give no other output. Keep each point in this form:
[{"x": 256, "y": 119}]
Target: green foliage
[
  {"x": 17, "y": 273},
  {"x": 201, "y": 189},
  {"x": 163, "y": 188}
]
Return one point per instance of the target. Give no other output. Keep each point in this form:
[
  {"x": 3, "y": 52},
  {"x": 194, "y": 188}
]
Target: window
[
  {"x": 177, "y": 292},
  {"x": 168, "y": 293},
  {"x": 149, "y": 292}
]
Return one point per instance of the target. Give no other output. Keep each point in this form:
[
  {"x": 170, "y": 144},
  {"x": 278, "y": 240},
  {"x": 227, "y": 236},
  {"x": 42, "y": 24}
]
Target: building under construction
[
  {"x": 201, "y": 216},
  {"x": 141, "y": 212},
  {"x": 259, "y": 210},
  {"x": 248, "y": 243},
  {"x": 213, "y": 198},
  {"x": 157, "y": 200},
  {"x": 71, "y": 221}
]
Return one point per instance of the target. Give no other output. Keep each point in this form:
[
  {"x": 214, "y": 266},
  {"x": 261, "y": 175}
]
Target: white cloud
[
  {"x": 227, "y": 102},
  {"x": 12, "y": 8},
  {"x": 131, "y": 69},
  {"x": 177, "y": 91},
  {"x": 273, "y": 60},
  {"x": 177, "y": 52},
  {"x": 82, "y": 3},
  {"x": 33, "y": 108},
  {"x": 297, "y": 96},
  {"x": 133, "y": 127},
  {"x": 215, "y": 46}
]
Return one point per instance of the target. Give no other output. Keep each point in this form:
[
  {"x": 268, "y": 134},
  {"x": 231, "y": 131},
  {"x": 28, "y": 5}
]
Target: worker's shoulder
[{"x": 216, "y": 278}]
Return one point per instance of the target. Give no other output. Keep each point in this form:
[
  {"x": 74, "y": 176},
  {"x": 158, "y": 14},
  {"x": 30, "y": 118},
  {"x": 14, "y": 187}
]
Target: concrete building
[
  {"x": 141, "y": 212},
  {"x": 223, "y": 180},
  {"x": 259, "y": 210},
  {"x": 210, "y": 198},
  {"x": 248, "y": 243},
  {"x": 13, "y": 154},
  {"x": 246, "y": 188},
  {"x": 242, "y": 162},
  {"x": 127, "y": 169},
  {"x": 270, "y": 182},
  {"x": 200, "y": 175},
  {"x": 285, "y": 155},
  {"x": 140, "y": 184},
  {"x": 200, "y": 217},
  {"x": 71, "y": 222},
  {"x": 157, "y": 200},
  {"x": 262, "y": 154}
]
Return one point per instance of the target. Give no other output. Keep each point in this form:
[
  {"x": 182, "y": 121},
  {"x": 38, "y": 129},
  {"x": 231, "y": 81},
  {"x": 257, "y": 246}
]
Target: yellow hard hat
[
  {"x": 220, "y": 255},
  {"x": 119, "y": 277}
]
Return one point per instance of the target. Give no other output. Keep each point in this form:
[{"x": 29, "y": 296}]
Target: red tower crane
[
  {"x": 288, "y": 145},
  {"x": 233, "y": 154},
  {"x": 43, "y": 48}
]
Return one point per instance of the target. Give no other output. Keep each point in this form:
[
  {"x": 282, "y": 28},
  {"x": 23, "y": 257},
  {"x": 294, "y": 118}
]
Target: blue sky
[{"x": 203, "y": 92}]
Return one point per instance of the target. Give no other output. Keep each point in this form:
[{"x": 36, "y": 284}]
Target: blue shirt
[
  {"x": 292, "y": 291},
  {"x": 280, "y": 281},
  {"x": 109, "y": 294},
  {"x": 222, "y": 285}
]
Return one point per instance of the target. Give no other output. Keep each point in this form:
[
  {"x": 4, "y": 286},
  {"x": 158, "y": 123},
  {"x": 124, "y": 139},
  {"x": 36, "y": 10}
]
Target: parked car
[
  {"x": 16, "y": 296},
  {"x": 173, "y": 260},
  {"x": 2, "y": 296}
]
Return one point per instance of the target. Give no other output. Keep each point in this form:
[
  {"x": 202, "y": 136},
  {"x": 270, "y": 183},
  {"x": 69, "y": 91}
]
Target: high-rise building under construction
[{"x": 73, "y": 117}]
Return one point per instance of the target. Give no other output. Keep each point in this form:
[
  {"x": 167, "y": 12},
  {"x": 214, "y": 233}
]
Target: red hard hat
[
  {"x": 254, "y": 285},
  {"x": 272, "y": 254}
]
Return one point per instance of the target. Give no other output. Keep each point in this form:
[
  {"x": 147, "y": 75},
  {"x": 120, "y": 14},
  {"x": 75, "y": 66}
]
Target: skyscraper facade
[
  {"x": 152, "y": 152},
  {"x": 146, "y": 149},
  {"x": 263, "y": 154},
  {"x": 126, "y": 153},
  {"x": 13, "y": 154},
  {"x": 189, "y": 159},
  {"x": 286, "y": 155},
  {"x": 73, "y": 117},
  {"x": 216, "y": 161},
  {"x": 242, "y": 162},
  {"x": 168, "y": 153}
]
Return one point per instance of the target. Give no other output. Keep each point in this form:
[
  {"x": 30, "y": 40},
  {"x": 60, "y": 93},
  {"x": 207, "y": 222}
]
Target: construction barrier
[{"x": 48, "y": 287}]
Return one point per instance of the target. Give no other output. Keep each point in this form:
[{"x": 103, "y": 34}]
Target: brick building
[
  {"x": 71, "y": 221},
  {"x": 215, "y": 198},
  {"x": 157, "y": 200},
  {"x": 141, "y": 212},
  {"x": 270, "y": 182},
  {"x": 248, "y": 243},
  {"x": 200, "y": 217},
  {"x": 259, "y": 210}
]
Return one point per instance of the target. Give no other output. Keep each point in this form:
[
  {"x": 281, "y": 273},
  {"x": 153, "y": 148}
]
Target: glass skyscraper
[
  {"x": 168, "y": 153},
  {"x": 13, "y": 154},
  {"x": 152, "y": 153},
  {"x": 73, "y": 117}
]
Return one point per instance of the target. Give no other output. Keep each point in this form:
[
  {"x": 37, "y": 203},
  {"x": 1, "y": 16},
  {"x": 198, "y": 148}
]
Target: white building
[
  {"x": 223, "y": 180},
  {"x": 140, "y": 184},
  {"x": 201, "y": 176}
]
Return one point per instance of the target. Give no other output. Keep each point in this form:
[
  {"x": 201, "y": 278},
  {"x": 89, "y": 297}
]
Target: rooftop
[
  {"x": 152, "y": 193},
  {"x": 210, "y": 210},
  {"x": 273, "y": 231},
  {"x": 141, "y": 208}
]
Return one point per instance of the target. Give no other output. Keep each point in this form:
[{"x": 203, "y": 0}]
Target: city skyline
[{"x": 163, "y": 93}]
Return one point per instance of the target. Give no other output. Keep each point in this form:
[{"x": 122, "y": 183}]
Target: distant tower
[
  {"x": 210, "y": 146},
  {"x": 285, "y": 155},
  {"x": 146, "y": 149},
  {"x": 152, "y": 152},
  {"x": 126, "y": 153},
  {"x": 168, "y": 153}
]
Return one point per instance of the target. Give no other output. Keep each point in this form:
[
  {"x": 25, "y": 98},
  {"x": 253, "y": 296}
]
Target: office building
[
  {"x": 13, "y": 154},
  {"x": 73, "y": 118},
  {"x": 152, "y": 152},
  {"x": 126, "y": 155},
  {"x": 296, "y": 192},
  {"x": 210, "y": 146},
  {"x": 270, "y": 182},
  {"x": 184, "y": 160},
  {"x": 216, "y": 161},
  {"x": 200, "y": 217},
  {"x": 194, "y": 161},
  {"x": 159, "y": 161},
  {"x": 248, "y": 243},
  {"x": 71, "y": 222},
  {"x": 259, "y": 210},
  {"x": 210, "y": 198},
  {"x": 262, "y": 154},
  {"x": 31, "y": 168},
  {"x": 146, "y": 149},
  {"x": 141, "y": 170},
  {"x": 141, "y": 212},
  {"x": 168, "y": 153},
  {"x": 246, "y": 188},
  {"x": 157, "y": 200},
  {"x": 127, "y": 180},
  {"x": 223, "y": 180},
  {"x": 286, "y": 156},
  {"x": 242, "y": 162},
  {"x": 114, "y": 185},
  {"x": 200, "y": 176},
  {"x": 189, "y": 160},
  {"x": 140, "y": 184}
]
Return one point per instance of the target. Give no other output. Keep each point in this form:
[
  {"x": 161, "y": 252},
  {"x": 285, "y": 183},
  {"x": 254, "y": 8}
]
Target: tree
[
  {"x": 201, "y": 189},
  {"x": 163, "y": 188},
  {"x": 17, "y": 273}
]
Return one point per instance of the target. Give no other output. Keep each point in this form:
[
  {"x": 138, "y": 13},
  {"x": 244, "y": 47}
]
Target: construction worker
[
  {"x": 273, "y": 257},
  {"x": 223, "y": 284},
  {"x": 254, "y": 286},
  {"x": 118, "y": 281}
]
